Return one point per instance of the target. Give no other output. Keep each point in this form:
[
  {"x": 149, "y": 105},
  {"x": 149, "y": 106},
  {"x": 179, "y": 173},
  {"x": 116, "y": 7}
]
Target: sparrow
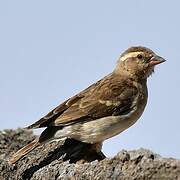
[{"x": 104, "y": 109}]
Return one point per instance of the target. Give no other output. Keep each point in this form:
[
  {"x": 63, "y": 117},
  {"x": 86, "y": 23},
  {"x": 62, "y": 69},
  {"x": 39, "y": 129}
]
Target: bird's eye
[{"x": 139, "y": 56}]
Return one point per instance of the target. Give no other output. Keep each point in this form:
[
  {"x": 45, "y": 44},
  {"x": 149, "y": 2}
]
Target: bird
[{"x": 104, "y": 109}]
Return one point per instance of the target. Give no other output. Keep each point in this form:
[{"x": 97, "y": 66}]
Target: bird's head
[{"x": 138, "y": 61}]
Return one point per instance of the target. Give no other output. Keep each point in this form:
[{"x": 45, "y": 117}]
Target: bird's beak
[{"x": 156, "y": 60}]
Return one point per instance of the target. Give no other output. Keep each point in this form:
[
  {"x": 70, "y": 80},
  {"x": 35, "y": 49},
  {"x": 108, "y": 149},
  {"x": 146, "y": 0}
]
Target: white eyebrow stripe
[{"x": 131, "y": 54}]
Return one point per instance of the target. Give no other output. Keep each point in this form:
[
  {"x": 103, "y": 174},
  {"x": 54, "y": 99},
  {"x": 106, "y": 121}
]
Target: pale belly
[{"x": 100, "y": 129}]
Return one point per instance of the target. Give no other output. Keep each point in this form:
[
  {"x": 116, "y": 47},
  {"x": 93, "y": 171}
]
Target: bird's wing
[
  {"x": 107, "y": 97},
  {"x": 56, "y": 112}
]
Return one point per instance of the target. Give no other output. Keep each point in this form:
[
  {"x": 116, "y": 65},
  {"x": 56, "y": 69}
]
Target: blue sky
[{"x": 50, "y": 50}]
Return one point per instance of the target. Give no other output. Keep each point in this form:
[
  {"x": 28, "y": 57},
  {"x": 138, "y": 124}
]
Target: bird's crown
[{"x": 135, "y": 51}]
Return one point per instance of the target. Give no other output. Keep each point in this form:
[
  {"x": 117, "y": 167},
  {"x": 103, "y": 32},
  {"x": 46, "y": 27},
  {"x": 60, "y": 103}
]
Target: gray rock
[{"x": 71, "y": 159}]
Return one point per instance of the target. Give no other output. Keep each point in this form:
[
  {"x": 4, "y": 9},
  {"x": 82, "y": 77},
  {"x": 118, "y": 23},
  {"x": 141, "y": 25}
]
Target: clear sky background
[{"x": 51, "y": 50}]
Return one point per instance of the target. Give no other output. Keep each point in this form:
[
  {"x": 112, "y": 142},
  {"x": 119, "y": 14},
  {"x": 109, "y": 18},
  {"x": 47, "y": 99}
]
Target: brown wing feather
[
  {"x": 107, "y": 99},
  {"x": 52, "y": 115},
  {"x": 109, "y": 96},
  {"x": 55, "y": 113}
]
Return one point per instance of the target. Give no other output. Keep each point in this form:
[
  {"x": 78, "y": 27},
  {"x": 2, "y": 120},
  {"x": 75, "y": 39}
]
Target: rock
[{"x": 71, "y": 159}]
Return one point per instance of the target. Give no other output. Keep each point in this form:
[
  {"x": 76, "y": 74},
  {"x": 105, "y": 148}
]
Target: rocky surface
[{"x": 74, "y": 160}]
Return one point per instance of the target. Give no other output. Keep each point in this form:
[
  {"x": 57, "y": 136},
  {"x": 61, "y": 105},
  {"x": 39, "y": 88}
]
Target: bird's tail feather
[{"x": 23, "y": 151}]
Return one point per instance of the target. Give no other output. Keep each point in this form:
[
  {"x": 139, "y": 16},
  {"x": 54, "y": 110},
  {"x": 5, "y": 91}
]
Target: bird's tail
[{"x": 23, "y": 151}]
